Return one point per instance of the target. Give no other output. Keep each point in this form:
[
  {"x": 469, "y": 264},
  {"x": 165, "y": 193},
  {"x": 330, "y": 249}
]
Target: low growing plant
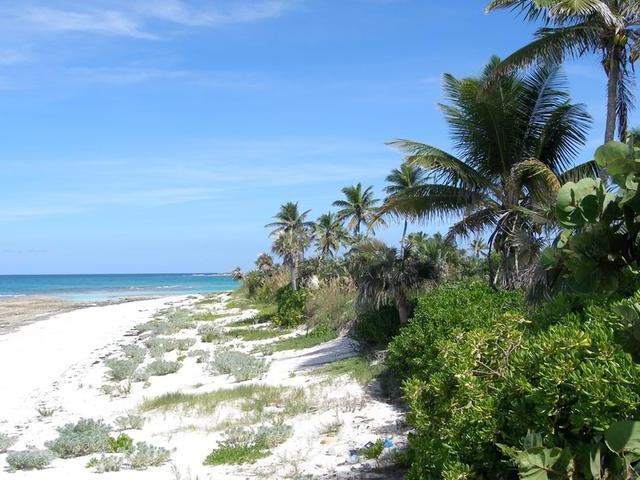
[
  {"x": 237, "y": 364},
  {"x": 129, "y": 422},
  {"x": 7, "y": 441},
  {"x": 123, "y": 443},
  {"x": 82, "y": 438},
  {"x": 121, "y": 368},
  {"x": 143, "y": 456},
  {"x": 159, "y": 368},
  {"x": 106, "y": 463},
  {"x": 211, "y": 333},
  {"x": 29, "y": 459}
]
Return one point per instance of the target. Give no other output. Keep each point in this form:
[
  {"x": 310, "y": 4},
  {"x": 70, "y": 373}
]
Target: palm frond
[{"x": 473, "y": 224}]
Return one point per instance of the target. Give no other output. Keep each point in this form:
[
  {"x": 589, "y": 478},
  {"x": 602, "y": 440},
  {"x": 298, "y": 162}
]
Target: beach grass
[
  {"x": 253, "y": 334},
  {"x": 360, "y": 368},
  {"x": 301, "y": 342},
  {"x": 205, "y": 403}
]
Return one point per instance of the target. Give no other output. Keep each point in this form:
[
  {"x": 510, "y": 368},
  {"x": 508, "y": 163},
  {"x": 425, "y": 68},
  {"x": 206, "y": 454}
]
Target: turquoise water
[{"x": 94, "y": 288}]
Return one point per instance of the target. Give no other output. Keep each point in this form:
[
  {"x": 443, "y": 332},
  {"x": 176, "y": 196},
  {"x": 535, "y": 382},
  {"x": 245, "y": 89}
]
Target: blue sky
[{"x": 161, "y": 135}]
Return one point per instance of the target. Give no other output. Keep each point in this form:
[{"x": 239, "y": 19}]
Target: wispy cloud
[{"x": 136, "y": 19}]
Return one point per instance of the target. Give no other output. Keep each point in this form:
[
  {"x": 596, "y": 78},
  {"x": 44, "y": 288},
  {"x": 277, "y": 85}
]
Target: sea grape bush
[
  {"x": 479, "y": 372},
  {"x": 599, "y": 247}
]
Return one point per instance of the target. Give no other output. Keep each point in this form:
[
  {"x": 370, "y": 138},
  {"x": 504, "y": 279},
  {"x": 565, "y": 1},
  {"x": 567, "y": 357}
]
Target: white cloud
[
  {"x": 135, "y": 18},
  {"x": 107, "y": 22}
]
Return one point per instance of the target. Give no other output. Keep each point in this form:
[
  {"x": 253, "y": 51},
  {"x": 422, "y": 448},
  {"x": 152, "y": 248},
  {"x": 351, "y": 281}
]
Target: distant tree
[
  {"x": 478, "y": 247},
  {"x": 400, "y": 180},
  {"x": 264, "y": 263},
  {"x": 292, "y": 234},
  {"x": 237, "y": 274},
  {"x": 330, "y": 235},
  {"x": 442, "y": 252},
  {"x": 358, "y": 208},
  {"x": 383, "y": 275}
]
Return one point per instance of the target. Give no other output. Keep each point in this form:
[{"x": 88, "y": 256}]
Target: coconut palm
[
  {"x": 515, "y": 135},
  {"x": 358, "y": 208},
  {"x": 441, "y": 252},
  {"x": 400, "y": 179},
  {"x": 292, "y": 234},
  {"x": 609, "y": 28},
  {"x": 478, "y": 247},
  {"x": 383, "y": 275},
  {"x": 264, "y": 263},
  {"x": 330, "y": 235}
]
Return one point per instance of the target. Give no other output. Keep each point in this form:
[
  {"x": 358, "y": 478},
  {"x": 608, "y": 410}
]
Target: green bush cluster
[
  {"x": 29, "y": 459},
  {"x": 480, "y": 371},
  {"x": 242, "y": 446},
  {"x": 376, "y": 327},
  {"x": 290, "y": 307},
  {"x": 241, "y": 366}
]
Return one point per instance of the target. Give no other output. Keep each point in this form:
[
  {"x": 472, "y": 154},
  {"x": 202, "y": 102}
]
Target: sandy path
[{"x": 34, "y": 357}]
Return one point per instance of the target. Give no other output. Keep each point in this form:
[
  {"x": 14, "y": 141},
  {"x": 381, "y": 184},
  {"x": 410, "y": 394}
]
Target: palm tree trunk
[
  {"x": 293, "y": 269},
  {"x": 402, "y": 304},
  {"x": 404, "y": 232},
  {"x": 612, "y": 92}
]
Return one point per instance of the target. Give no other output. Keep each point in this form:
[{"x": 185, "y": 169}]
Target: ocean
[{"x": 96, "y": 288}]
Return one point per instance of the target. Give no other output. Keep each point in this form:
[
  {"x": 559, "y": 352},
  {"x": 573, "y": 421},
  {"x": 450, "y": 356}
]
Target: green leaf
[
  {"x": 623, "y": 437},
  {"x": 543, "y": 463}
]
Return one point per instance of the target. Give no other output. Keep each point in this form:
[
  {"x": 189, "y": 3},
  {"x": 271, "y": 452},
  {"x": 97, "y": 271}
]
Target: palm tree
[
  {"x": 329, "y": 235},
  {"x": 264, "y": 263},
  {"x": 400, "y": 179},
  {"x": 610, "y": 28},
  {"x": 514, "y": 135},
  {"x": 292, "y": 233},
  {"x": 359, "y": 207},
  {"x": 478, "y": 246},
  {"x": 440, "y": 251},
  {"x": 382, "y": 275}
]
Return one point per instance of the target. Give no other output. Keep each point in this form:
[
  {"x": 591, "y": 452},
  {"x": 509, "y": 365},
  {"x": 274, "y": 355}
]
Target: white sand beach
[{"x": 52, "y": 373}]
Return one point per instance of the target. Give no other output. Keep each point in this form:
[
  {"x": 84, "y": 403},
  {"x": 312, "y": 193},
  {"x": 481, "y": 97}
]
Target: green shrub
[
  {"x": 477, "y": 373},
  {"x": 29, "y": 459},
  {"x": 290, "y": 311},
  {"x": 184, "y": 344},
  {"x": 201, "y": 356},
  {"x": 242, "y": 446},
  {"x": 376, "y": 328},
  {"x": 82, "y": 438},
  {"x": 159, "y": 368},
  {"x": 122, "y": 444},
  {"x": 144, "y": 455},
  {"x": 161, "y": 345},
  {"x": 135, "y": 353},
  {"x": 240, "y": 365}
]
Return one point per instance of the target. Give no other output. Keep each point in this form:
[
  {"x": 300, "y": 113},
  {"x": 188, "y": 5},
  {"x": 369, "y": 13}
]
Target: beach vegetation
[
  {"x": 330, "y": 235},
  {"x": 359, "y": 209},
  {"x": 255, "y": 334},
  {"x": 31, "y": 459},
  {"x": 144, "y": 455},
  {"x": 82, "y": 438},
  {"x": 135, "y": 353},
  {"x": 159, "y": 368},
  {"x": 201, "y": 356},
  {"x": 239, "y": 365},
  {"x": 44, "y": 411},
  {"x": 160, "y": 345},
  {"x": 317, "y": 336},
  {"x": 7, "y": 441},
  {"x": 129, "y": 421},
  {"x": 121, "y": 368},
  {"x": 106, "y": 463},
  {"x": 121, "y": 444},
  {"x": 358, "y": 367},
  {"x": 332, "y": 305},
  {"x": 290, "y": 307},
  {"x": 245, "y": 446},
  {"x": 211, "y": 334}
]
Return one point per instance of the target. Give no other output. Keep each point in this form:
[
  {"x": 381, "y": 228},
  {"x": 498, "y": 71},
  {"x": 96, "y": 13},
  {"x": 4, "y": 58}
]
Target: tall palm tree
[
  {"x": 329, "y": 235},
  {"x": 359, "y": 207},
  {"x": 292, "y": 235},
  {"x": 400, "y": 179},
  {"x": 610, "y": 28},
  {"x": 514, "y": 136},
  {"x": 442, "y": 252}
]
